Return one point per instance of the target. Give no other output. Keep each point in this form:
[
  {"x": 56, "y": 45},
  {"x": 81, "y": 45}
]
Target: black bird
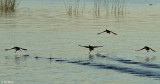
[
  {"x": 147, "y": 48},
  {"x": 91, "y": 47},
  {"x": 16, "y": 48},
  {"x": 107, "y": 31}
]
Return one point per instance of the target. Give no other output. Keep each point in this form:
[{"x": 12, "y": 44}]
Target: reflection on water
[
  {"x": 53, "y": 54},
  {"x": 150, "y": 59}
]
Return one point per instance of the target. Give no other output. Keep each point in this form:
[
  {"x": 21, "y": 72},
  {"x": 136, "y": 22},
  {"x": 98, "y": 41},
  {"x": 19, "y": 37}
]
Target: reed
[
  {"x": 100, "y": 7},
  {"x": 8, "y": 5},
  {"x": 106, "y": 5},
  {"x": 72, "y": 7},
  {"x": 118, "y": 7},
  {"x": 96, "y": 7}
]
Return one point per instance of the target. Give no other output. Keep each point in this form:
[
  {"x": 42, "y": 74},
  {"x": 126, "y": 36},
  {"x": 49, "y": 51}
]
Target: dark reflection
[
  {"x": 8, "y": 14},
  {"x": 149, "y": 59},
  {"x": 36, "y": 57},
  {"x": 26, "y": 55},
  {"x": 20, "y": 59},
  {"x": 17, "y": 59},
  {"x": 100, "y": 56},
  {"x": 60, "y": 60},
  {"x": 50, "y": 59},
  {"x": 91, "y": 57}
]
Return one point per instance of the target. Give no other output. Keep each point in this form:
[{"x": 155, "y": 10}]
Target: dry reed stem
[{"x": 8, "y": 5}]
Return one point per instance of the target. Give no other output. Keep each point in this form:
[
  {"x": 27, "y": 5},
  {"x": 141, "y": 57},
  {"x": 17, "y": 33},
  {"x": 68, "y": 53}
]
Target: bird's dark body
[
  {"x": 16, "y": 48},
  {"x": 91, "y": 48},
  {"x": 147, "y": 48}
]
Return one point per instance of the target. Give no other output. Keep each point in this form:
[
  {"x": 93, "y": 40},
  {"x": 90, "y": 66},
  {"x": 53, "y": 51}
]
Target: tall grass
[
  {"x": 96, "y": 7},
  {"x": 72, "y": 7},
  {"x": 8, "y": 5},
  {"x": 118, "y": 7},
  {"x": 106, "y": 5},
  {"x": 100, "y": 7}
]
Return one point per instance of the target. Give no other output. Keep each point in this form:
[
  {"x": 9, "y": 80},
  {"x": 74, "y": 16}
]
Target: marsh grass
[
  {"x": 118, "y": 8},
  {"x": 100, "y": 7},
  {"x": 72, "y": 7},
  {"x": 96, "y": 7},
  {"x": 106, "y": 5},
  {"x": 8, "y": 5}
]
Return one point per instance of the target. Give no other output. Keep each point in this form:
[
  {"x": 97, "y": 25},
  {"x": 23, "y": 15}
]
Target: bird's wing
[
  {"x": 114, "y": 33},
  {"x": 7, "y": 49},
  {"x": 84, "y": 46},
  {"x": 152, "y": 50},
  {"x": 96, "y": 46},
  {"x": 23, "y": 49},
  {"x": 100, "y": 32},
  {"x": 13, "y": 48},
  {"x": 140, "y": 49}
]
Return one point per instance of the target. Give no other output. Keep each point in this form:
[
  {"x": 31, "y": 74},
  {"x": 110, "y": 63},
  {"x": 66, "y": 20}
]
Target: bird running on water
[
  {"x": 146, "y": 48},
  {"x": 90, "y": 47},
  {"x": 16, "y": 48},
  {"x": 107, "y": 31}
]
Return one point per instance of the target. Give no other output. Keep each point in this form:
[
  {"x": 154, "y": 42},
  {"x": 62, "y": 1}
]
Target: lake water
[{"x": 44, "y": 28}]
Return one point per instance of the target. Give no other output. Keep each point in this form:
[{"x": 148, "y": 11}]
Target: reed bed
[
  {"x": 8, "y": 5},
  {"x": 100, "y": 7},
  {"x": 72, "y": 7},
  {"x": 96, "y": 7},
  {"x": 118, "y": 7}
]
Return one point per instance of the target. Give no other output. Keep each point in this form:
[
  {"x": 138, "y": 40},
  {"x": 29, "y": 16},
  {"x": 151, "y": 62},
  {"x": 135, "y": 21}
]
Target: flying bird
[
  {"x": 16, "y": 48},
  {"x": 107, "y": 31},
  {"x": 90, "y": 47},
  {"x": 147, "y": 48}
]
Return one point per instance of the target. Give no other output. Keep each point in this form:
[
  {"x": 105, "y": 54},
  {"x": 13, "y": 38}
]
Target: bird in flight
[
  {"x": 147, "y": 48},
  {"x": 16, "y": 48},
  {"x": 90, "y": 47},
  {"x": 107, "y": 31}
]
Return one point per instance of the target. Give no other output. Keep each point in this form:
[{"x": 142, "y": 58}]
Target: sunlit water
[{"x": 44, "y": 28}]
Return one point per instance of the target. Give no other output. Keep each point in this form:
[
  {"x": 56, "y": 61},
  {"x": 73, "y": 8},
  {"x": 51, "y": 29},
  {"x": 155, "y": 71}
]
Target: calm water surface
[{"x": 43, "y": 27}]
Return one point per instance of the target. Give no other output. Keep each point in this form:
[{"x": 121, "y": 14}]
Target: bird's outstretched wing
[
  {"x": 100, "y": 32},
  {"x": 7, "y": 49},
  {"x": 140, "y": 49},
  {"x": 96, "y": 46},
  {"x": 23, "y": 49},
  {"x": 84, "y": 46},
  {"x": 12, "y": 48},
  {"x": 114, "y": 33},
  {"x": 153, "y": 50}
]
